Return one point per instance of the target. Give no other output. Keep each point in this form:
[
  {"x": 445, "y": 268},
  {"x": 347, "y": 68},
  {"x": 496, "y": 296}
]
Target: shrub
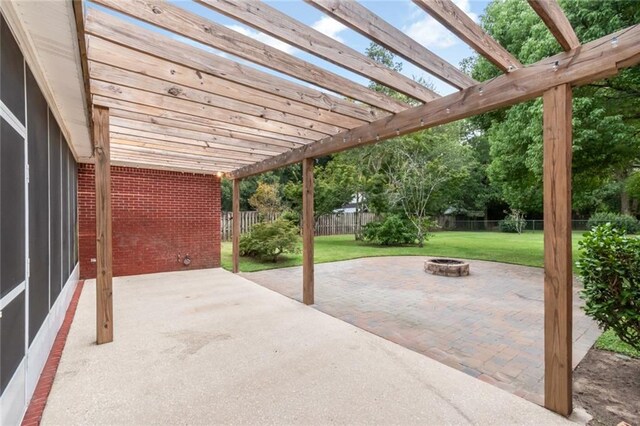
[
  {"x": 609, "y": 266},
  {"x": 514, "y": 222},
  {"x": 392, "y": 230},
  {"x": 269, "y": 240},
  {"x": 624, "y": 222}
]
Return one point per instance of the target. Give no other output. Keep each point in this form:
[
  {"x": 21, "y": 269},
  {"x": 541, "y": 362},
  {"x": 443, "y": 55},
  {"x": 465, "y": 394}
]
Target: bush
[
  {"x": 624, "y": 222},
  {"x": 514, "y": 222},
  {"x": 269, "y": 240},
  {"x": 392, "y": 230},
  {"x": 609, "y": 266}
]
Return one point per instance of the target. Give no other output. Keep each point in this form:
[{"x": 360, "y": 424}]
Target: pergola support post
[
  {"x": 558, "y": 278},
  {"x": 308, "y": 225},
  {"x": 235, "y": 237},
  {"x": 104, "y": 272}
]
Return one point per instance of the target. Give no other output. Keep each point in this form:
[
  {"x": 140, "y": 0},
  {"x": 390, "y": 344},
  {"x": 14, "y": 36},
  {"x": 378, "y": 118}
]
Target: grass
[
  {"x": 610, "y": 342},
  {"x": 525, "y": 249}
]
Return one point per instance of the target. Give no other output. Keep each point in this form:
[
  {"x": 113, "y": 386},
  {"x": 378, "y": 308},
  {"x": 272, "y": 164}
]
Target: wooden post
[
  {"x": 104, "y": 275},
  {"x": 235, "y": 234},
  {"x": 558, "y": 278},
  {"x": 307, "y": 231}
]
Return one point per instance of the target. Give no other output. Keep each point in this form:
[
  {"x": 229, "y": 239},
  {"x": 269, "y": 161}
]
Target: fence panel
[{"x": 330, "y": 224}]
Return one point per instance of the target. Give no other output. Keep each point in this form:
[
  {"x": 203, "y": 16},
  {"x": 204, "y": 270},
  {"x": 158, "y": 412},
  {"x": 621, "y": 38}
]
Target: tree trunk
[{"x": 625, "y": 203}]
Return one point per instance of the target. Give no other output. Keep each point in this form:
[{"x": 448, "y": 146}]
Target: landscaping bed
[{"x": 607, "y": 386}]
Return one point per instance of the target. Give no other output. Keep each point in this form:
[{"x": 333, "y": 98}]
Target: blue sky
[{"x": 403, "y": 14}]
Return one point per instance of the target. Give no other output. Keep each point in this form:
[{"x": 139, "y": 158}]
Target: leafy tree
[
  {"x": 333, "y": 187},
  {"x": 606, "y": 122},
  {"x": 266, "y": 200}
]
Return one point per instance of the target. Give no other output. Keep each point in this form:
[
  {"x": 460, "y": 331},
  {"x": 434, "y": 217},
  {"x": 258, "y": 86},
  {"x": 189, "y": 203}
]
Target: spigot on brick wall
[{"x": 186, "y": 260}]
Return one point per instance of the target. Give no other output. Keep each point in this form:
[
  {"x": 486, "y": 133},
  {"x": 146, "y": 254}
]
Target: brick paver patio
[{"x": 488, "y": 325}]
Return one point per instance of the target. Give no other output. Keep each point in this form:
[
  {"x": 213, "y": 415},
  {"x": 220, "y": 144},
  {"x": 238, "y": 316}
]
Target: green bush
[
  {"x": 390, "y": 231},
  {"x": 514, "y": 222},
  {"x": 609, "y": 266},
  {"x": 269, "y": 240},
  {"x": 624, "y": 222}
]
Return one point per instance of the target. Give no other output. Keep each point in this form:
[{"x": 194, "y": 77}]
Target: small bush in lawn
[
  {"x": 269, "y": 240},
  {"x": 609, "y": 266},
  {"x": 390, "y": 231},
  {"x": 514, "y": 222},
  {"x": 624, "y": 222}
]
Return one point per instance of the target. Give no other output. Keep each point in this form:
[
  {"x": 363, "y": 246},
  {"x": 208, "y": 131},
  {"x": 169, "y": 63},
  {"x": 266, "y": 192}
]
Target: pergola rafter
[
  {"x": 178, "y": 106},
  {"x": 460, "y": 24},
  {"x": 370, "y": 25}
]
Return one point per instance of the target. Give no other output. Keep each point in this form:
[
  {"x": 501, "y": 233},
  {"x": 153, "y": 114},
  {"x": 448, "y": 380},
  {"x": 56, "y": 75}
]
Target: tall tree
[{"x": 606, "y": 120}]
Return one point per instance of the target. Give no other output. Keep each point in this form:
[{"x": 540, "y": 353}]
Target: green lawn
[
  {"x": 525, "y": 249},
  {"x": 610, "y": 342}
]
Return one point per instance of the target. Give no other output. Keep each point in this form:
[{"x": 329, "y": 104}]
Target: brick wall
[{"x": 157, "y": 215}]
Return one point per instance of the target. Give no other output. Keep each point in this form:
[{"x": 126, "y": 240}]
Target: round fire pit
[{"x": 447, "y": 267}]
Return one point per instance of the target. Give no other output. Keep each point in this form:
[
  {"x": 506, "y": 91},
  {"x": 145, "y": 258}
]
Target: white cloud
[
  {"x": 428, "y": 32},
  {"x": 329, "y": 27},
  {"x": 264, "y": 38}
]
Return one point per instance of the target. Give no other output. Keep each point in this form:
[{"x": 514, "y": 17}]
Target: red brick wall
[{"x": 156, "y": 216}]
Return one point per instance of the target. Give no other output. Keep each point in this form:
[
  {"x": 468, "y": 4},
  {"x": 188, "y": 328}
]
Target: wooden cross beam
[{"x": 595, "y": 60}]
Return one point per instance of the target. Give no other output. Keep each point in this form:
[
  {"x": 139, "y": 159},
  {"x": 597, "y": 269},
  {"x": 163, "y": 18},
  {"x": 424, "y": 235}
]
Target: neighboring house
[{"x": 352, "y": 205}]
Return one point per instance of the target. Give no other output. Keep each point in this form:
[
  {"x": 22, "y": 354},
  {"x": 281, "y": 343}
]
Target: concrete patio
[
  {"x": 488, "y": 325},
  {"x": 205, "y": 347}
]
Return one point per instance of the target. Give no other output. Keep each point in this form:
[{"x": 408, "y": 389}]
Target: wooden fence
[{"x": 330, "y": 224}]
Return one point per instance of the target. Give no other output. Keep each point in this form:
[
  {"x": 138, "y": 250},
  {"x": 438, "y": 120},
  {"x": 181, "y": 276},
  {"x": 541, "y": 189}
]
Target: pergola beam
[
  {"x": 554, "y": 18},
  {"x": 104, "y": 262},
  {"x": 370, "y": 25},
  {"x": 139, "y": 63},
  {"x": 155, "y": 166},
  {"x": 595, "y": 60},
  {"x": 269, "y": 20},
  {"x": 182, "y": 22},
  {"x": 202, "y": 138},
  {"x": 120, "y": 77},
  {"x": 151, "y": 114},
  {"x": 459, "y": 23},
  {"x": 129, "y": 35},
  {"x": 130, "y": 94}
]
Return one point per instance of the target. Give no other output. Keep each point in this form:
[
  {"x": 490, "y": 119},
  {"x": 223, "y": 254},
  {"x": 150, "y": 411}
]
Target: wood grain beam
[
  {"x": 180, "y": 21},
  {"x": 119, "y": 145},
  {"x": 121, "y": 77},
  {"x": 595, "y": 60},
  {"x": 104, "y": 262},
  {"x": 130, "y": 94},
  {"x": 135, "y": 37},
  {"x": 151, "y": 114},
  {"x": 269, "y": 20},
  {"x": 235, "y": 235},
  {"x": 106, "y": 52},
  {"x": 190, "y": 136},
  {"x": 146, "y": 164},
  {"x": 230, "y": 160},
  {"x": 455, "y": 20},
  {"x": 558, "y": 276},
  {"x": 157, "y": 138},
  {"x": 161, "y": 159},
  {"x": 308, "y": 227},
  {"x": 554, "y": 18},
  {"x": 360, "y": 19}
]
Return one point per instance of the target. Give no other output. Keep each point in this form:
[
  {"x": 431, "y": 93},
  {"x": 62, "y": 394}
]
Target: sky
[{"x": 403, "y": 14}]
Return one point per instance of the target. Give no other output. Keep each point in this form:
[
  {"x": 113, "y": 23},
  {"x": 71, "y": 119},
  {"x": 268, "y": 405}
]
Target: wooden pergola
[{"x": 159, "y": 101}]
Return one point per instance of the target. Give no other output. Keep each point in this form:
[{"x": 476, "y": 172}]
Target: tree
[
  {"x": 266, "y": 200},
  {"x": 333, "y": 187},
  {"x": 425, "y": 172},
  {"x": 606, "y": 121}
]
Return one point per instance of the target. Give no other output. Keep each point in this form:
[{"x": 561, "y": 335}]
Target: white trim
[
  {"x": 27, "y": 179},
  {"x": 12, "y": 400},
  {"x": 42, "y": 343},
  {"x": 15, "y": 292},
  {"x": 6, "y": 113}
]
